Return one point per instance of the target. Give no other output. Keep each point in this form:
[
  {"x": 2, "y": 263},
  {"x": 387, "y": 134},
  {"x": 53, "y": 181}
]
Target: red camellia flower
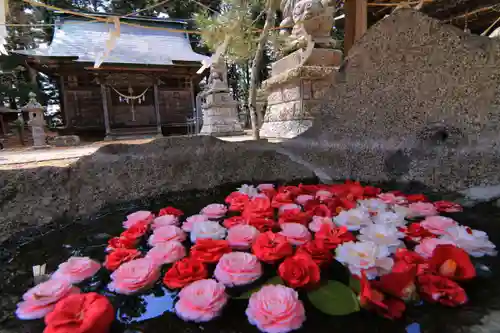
[
  {"x": 234, "y": 220},
  {"x": 136, "y": 231},
  {"x": 262, "y": 224},
  {"x": 416, "y": 198},
  {"x": 269, "y": 192},
  {"x": 299, "y": 271},
  {"x": 121, "y": 243},
  {"x": 398, "y": 284},
  {"x": 258, "y": 207},
  {"x": 237, "y": 201},
  {"x": 374, "y": 300},
  {"x": 81, "y": 313},
  {"x": 292, "y": 191},
  {"x": 435, "y": 288},
  {"x": 406, "y": 260},
  {"x": 451, "y": 262},
  {"x": 447, "y": 207},
  {"x": 282, "y": 198},
  {"x": 319, "y": 253},
  {"x": 415, "y": 232},
  {"x": 170, "y": 211},
  {"x": 120, "y": 256},
  {"x": 183, "y": 272},
  {"x": 332, "y": 237},
  {"x": 270, "y": 247},
  {"x": 294, "y": 216},
  {"x": 371, "y": 191},
  {"x": 209, "y": 250},
  {"x": 316, "y": 208}
]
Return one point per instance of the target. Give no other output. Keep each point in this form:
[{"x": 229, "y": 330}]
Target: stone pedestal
[
  {"x": 295, "y": 91},
  {"x": 220, "y": 114}
]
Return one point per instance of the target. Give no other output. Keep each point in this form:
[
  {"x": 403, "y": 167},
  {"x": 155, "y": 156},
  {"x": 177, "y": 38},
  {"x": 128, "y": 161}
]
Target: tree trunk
[{"x": 254, "y": 74}]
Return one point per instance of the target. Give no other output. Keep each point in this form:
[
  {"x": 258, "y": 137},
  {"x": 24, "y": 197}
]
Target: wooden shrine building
[{"x": 145, "y": 86}]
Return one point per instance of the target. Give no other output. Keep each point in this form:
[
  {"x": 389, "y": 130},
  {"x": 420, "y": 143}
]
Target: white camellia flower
[
  {"x": 353, "y": 219},
  {"x": 368, "y": 256},
  {"x": 474, "y": 242},
  {"x": 382, "y": 234},
  {"x": 210, "y": 230},
  {"x": 401, "y": 210},
  {"x": 249, "y": 190},
  {"x": 390, "y": 218},
  {"x": 373, "y": 206}
]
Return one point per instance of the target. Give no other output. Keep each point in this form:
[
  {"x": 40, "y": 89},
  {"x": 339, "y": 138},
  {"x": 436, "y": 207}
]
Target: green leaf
[
  {"x": 273, "y": 281},
  {"x": 355, "y": 284},
  {"x": 335, "y": 299}
]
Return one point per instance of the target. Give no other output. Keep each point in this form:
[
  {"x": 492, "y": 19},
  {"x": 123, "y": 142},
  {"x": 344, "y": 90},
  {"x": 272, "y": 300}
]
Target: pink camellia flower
[
  {"x": 265, "y": 187},
  {"x": 303, "y": 198},
  {"x": 323, "y": 195},
  {"x": 392, "y": 199},
  {"x": 290, "y": 206},
  {"x": 418, "y": 209},
  {"x": 427, "y": 246},
  {"x": 166, "y": 234},
  {"x": 76, "y": 269},
  {"x": 139, "y": 216},
  {"x": 438, "y": 224},
  {"x": 134, "y": 276},
  {"x": 41, "y": 299},
  {"x": 190, "y": 221},
  {"x": 167, "y": 253},
  {"x": 242, "y": 236},
  {"x": 238, "y": 269},
  {"x": 276, "y": 309},
  {"x": 318, "y": 221},
  {"x": 201, "y": 301},
  {"x": 295, "y": 233},
  {"x": 214, "y": 211},
  {"x": 165, "y": 220}
]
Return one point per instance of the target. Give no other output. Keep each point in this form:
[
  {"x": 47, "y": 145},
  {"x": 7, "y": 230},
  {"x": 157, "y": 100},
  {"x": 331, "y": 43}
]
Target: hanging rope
[{"x": 131, "y": 97}]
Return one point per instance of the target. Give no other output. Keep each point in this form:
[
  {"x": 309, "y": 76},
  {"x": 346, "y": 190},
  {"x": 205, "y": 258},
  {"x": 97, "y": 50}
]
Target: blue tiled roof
[{"x": 136, "y": 45}]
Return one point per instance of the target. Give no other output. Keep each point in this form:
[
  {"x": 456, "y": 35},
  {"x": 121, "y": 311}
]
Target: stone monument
[
  {"x": 301, "y": 80},
  {"x": 220, "y": 112},
  {"x": 36, "y": 121}
]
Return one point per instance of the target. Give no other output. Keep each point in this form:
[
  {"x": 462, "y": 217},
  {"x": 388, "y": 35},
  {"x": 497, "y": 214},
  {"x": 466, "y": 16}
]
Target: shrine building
[{"x": 145, "y": 86}]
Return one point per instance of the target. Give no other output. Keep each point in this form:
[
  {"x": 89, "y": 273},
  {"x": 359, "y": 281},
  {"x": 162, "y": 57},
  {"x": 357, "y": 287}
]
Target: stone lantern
[{"x": 36, "y": 121}]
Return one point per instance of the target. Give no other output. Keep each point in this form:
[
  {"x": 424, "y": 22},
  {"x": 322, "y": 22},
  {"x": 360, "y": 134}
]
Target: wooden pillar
[
  {"x": 64, "y": 103},
  {"x": 157, "y": 108},
  {"x": 104, "y": 94},
  {"x": 195, "y": 107},
  {"x": 356, "y": 20}
]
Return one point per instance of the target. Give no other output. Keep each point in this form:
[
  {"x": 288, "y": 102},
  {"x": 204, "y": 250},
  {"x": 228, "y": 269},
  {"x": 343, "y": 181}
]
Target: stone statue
[
  {"x": 312, "y": 21},
  {"x": 218, "y": 75}
]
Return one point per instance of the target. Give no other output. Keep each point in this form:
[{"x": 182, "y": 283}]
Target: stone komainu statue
[{"x": 218, "y": 74}]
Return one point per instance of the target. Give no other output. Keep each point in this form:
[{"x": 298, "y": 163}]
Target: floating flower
[
  {"x": 322, "y": 195},
  {"x": 209, "y": 250},
  {"x": 41, "y": 299},
  {"x": 438, "y": 289},
  {"x": 416, "y": 198},
  {"x": 314, "y": 208},
  {"x": 170, "y": 211},
  {"x": 192, "y": 220},
  {"x": 234, "y": 221},
  {"x": 299, "y": 271},
  {"x": 121, "y": 242},
  {"x": 427, "y": 246},
  {"x": 258, "y": 207},
  {"x": 76, "y": 269},
  {"x": 139, "y": 216},
  {"x": 451, "y": 262},
  {"x": 184, "y": 272},
  {"x": 333, "y": 237},
  {"x": 415, "y": 232},
  {"x": 447, "y": 207},
  {"x": 303, "y": 198},
  {"x": 286, "y": 314},
  {"x": 319, "y": 253},
  {"x": 265, "y": 187},
  {"x": 365, "y": 256},
  {"x": 390, "y": 218},
  {"x": 238, "y": 269},
  {"x": 165, "y": 220},
  {"x": 374, "y": 300},
  {"x": 382, "y": 234},
  {"x": 249, "y": 190},
  {"x": 294, "y": 216},
  {"x": 136, "y": 231},
  {"x": 237, "y": 201},
  {"x": 134, "y": 276},
  {"x": 392, "y": 199},
  {"x": 419, "y": 209},
  {"x": 399, "y": 284},
  {"x": 406, "y": 260},
  {"x": 403, "y": 211},
  {"x": 438, "y": 225},
  {"x": 166, "y": 234},
  {"x": 81, "y": 313},
  {"x": 282, "y": 198},
  {"x": 372, "y": 206},
  {"x": 295, "y": 233},
  {"x": 262, "y": 224},
  {"x": 475, "y": 242},
  {"x": 289, "y": 206},
  {"x": 207, "y": 230},
  {"x": 166, "y": 253},
  {"x": 318, "y": 221},
  {"x": 120, "y": 256},
  {"x": 214, "y": 211},
  {"x": 242, "y": 237},
  {"x": 353, "y": 219},
  {"x": 201, "y": 301},
  {"x": 270, "y": 247}
]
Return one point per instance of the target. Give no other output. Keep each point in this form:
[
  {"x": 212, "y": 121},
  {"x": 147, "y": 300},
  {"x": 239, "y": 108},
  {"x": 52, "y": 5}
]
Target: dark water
[{"x": 152, "y": 312}]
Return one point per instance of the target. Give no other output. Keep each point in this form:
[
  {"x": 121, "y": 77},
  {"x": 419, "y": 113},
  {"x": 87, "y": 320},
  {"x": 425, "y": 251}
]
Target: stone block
[
  {"x": 318, "y": 57},
  {"x": 65, "y": 141}
]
